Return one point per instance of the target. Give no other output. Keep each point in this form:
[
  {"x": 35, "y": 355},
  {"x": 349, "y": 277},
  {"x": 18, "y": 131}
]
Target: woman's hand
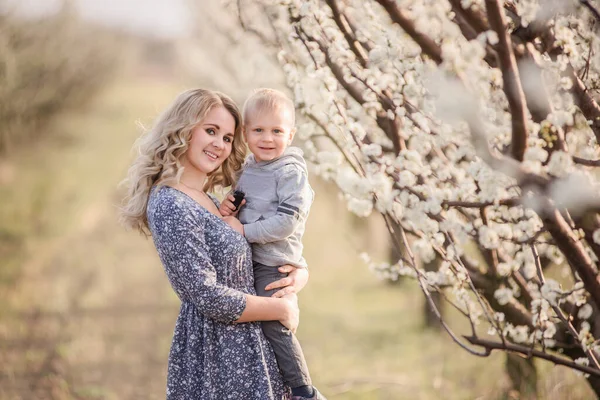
[
  {"x": 293, "y": 283},
  {"x": 227, "y": 208},
  {"x": 235, "y": 224},
  {"x": 291, "y": 317}
]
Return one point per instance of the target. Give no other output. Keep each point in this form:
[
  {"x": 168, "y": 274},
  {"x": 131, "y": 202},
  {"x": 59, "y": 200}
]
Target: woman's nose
[{"x": 219, "y": 143}]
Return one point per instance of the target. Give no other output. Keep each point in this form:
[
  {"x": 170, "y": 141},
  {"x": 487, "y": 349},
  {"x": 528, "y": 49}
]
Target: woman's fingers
[
  {"x": 299, "y": 278},
  {"x": 292, "y": 318},
  {"x": 281, "y": 283},
  {"x": 285, "y": 291}
]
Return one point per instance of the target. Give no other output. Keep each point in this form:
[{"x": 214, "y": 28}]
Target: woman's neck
[{"x": 192, "y": 178}]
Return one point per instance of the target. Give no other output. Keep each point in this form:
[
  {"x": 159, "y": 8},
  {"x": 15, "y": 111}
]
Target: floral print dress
[{"x": 209, "y": 266}]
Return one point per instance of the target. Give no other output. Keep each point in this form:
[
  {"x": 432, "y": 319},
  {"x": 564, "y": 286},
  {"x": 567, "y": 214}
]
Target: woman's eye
[
  {"x": 228, "y": 139},
  {"x": 210, "y": 131}
]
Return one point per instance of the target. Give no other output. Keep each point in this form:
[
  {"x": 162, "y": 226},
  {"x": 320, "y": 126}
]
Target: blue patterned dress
[{"x": 209, "y": 266}]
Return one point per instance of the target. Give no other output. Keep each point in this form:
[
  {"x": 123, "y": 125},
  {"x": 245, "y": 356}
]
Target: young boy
[{"x": 278, "y": 197}]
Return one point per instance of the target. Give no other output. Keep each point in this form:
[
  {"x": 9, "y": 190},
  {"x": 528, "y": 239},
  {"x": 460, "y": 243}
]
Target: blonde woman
[{"x": 218, "y": 351}]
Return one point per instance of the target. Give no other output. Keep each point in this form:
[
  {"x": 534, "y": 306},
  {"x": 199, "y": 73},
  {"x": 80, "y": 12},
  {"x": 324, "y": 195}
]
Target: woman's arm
[
  {"x": 284, "y": 310},
  {"x": 179, "y": 239}
]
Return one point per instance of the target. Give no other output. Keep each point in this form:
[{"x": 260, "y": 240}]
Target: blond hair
[
  {"x": 161, "y": 148},
  {"x": 264, "y": 99}
]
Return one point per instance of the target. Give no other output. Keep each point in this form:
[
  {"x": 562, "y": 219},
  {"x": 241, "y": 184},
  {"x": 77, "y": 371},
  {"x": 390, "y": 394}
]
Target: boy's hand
[
  {"x": 227, "y": 208},
  {"x": 296, "y": 280},
  {"x": 235, "y": 224}
]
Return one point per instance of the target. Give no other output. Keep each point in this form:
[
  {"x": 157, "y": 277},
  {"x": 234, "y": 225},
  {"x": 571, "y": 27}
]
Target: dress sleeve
[
  {"x": 295, "y": 197},
  {"x": 179, "y": 238}
]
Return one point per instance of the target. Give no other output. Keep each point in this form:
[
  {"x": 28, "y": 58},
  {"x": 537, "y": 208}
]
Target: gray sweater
[{"x": 278, "y": 199}]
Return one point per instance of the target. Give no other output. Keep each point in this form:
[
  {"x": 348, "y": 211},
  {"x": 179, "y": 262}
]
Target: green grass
[{"x": 63, "y": 252}]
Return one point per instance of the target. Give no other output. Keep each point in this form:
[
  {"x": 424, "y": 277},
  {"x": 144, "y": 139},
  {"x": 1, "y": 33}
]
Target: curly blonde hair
[{"x": 161, "y": 148}]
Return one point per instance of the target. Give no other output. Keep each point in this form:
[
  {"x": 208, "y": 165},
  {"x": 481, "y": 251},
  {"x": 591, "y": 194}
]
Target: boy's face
[{"x": 269, "y": 133}]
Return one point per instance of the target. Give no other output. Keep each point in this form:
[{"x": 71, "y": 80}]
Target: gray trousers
[{"x": 287, "y": 349}]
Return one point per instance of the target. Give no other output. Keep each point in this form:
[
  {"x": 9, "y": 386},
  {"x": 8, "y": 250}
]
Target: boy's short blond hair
[{"x": 265, "y": 99}]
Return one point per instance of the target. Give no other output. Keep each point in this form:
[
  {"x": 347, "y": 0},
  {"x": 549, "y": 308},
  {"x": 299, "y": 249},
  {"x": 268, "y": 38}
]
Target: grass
[{"x": 97, "y": 297}]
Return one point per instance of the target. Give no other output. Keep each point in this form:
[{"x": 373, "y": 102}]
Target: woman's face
[{"x": 211, "y": 141}]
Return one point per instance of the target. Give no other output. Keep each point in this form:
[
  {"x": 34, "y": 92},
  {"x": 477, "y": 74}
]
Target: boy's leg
[{"x": 285, "y": 344}]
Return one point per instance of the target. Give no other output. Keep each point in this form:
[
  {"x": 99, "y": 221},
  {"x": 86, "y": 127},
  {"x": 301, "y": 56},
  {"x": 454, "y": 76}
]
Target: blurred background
[{"x": 85, "y": 309}]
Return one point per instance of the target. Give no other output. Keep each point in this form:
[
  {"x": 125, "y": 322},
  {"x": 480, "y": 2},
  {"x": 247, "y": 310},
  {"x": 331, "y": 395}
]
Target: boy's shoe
[{"x": 315, "y": 396}]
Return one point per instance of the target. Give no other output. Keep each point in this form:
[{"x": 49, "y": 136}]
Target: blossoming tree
[{"x": 472, "y": 126}]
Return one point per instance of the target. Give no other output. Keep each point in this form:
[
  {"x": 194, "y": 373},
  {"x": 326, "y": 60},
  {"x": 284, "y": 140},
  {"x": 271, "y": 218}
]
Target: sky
[{"x": 164, "y": 18}]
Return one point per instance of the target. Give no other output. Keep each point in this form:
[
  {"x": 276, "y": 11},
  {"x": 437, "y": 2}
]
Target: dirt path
[{"x": 91, "y": 316}]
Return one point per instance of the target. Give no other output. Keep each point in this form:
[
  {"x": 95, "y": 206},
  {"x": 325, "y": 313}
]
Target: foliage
[
  {"x": 47, "y": 65},
  {"x": 472, "y": 126}
]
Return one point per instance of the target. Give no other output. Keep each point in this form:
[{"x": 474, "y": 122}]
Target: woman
[{"x": 218, "y": 351}]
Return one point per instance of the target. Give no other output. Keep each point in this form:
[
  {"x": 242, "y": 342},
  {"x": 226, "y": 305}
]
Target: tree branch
[
  {"x": 573, "y": 250},
  {"x": 592, "y": 9},
  {"x": 344, "y": 27},
  {"x": 589, "y": 106},
  {"x": 474, "y": 18},
  {"x": 588, "y": 163},
  {"x": 558, "y": 311},
  {"x": 512, "y": 82},
  {"x": 473, "y": 204},
  {"x": 528, "y": 351},
  {"x": 429, "y": 47}
]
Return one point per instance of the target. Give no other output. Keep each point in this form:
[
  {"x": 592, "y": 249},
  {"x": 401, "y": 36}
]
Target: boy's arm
[{"x": 295, "y": 197}]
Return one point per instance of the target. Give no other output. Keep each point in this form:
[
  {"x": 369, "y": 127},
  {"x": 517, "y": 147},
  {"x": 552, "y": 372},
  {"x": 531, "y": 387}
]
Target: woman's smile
[{"x": 211, "y": 155}]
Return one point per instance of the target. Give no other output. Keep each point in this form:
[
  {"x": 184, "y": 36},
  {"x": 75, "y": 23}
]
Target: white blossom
[
  {"x": 585, "y": 312},
  {"x": 582, "y": 361},
  {"x": 488, "y": 237},
  {"x": 362, "y": 208},
  {"x": 372, "y": 150},
  {"x": 560, "y": 163},
  {"x": 503, "y": 296},
  {"x": 596, "y": 236},
  {"x": 550, "y": 290},
  {"x": 445, "y": 174}
]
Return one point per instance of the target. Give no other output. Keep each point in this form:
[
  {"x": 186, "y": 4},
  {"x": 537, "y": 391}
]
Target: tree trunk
[
  {"x": 430, "y": 319},
  {"x": 593, "y": 381},
  {"x": 523, "y": 376}
]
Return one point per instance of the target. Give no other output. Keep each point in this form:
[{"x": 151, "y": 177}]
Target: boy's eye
[
  {"x": 258, "y": 130},
  {"x": 278, "y": 131}
]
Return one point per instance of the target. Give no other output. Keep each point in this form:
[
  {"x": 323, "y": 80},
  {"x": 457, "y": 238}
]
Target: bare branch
[
  {"x": 512, "y": 82},
  {"x": 528, "y": 352},
  {"x": 593, "y": 10},
  {"x": 588, "y": 163},
  {"x": 268, "y": 41},
  {"x": 474, "y": 204}
]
